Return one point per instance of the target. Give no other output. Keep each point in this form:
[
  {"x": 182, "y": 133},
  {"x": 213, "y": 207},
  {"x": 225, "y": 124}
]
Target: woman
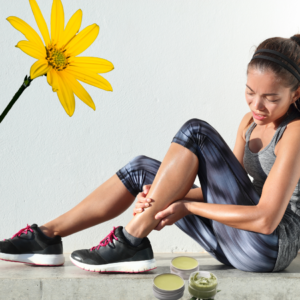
[{"x": 252, "y": 226}]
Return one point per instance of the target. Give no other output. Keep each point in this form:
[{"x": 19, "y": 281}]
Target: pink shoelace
[
  {"x": 108, "y": 239},
  {"x": 23, "y": 230}
]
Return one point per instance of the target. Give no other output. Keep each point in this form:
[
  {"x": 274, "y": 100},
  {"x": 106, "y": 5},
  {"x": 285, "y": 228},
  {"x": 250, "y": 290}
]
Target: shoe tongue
[
  {"x": 119, "y": 232},
  {"x": 34, "y": 226}
]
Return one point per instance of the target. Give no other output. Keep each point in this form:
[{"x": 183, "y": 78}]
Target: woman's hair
[{"x": 289, "y": 48}]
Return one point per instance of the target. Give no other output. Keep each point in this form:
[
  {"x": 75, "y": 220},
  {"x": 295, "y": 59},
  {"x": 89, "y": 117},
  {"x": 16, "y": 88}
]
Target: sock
[{"x": 132, "y": 240}]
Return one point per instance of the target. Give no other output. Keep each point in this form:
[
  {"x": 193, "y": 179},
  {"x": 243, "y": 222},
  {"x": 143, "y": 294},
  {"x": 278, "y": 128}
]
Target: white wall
[{"x": 174, "y": 60}]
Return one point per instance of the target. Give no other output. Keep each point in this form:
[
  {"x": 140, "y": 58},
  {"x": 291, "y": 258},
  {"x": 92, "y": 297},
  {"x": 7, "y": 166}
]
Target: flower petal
[
  {"x": 27, "y": 30},
  {"x": 83, "y": 40},
  {"x": 39, "y": 68},
  {"x": 57, "y": 22},
  {"x": 89, "y": 77},
  {"x": 93, "y": 64},
  {"x": 40, "y": 21},
  {"x": 52, "y": 79},
  {"x": 65, "y": 94},
  {"x": 31, "y": 49},
  {"x": 72, "y": 27},
  {"x": 79, "y": 90}
]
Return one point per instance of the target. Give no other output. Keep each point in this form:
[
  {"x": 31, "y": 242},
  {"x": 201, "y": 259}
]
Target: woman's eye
[
  {"x": 266, "y": 98},
  {"x": 272, "y": 100}
]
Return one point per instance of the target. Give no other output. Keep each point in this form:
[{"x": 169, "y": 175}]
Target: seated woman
[{"x": 252, "y": 226}]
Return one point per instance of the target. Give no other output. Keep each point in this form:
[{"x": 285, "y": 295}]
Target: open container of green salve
[
  {"x": 203, "y": 285},
  {"x": 168, "y": 286},
  {"x": 184, "y": 266}
]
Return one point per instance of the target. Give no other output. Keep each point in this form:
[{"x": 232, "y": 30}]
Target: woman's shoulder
[
  {"x": 291, "y": 135},
  {"x": 294, "y": 125},
  {"x": 248, "y": 121}
]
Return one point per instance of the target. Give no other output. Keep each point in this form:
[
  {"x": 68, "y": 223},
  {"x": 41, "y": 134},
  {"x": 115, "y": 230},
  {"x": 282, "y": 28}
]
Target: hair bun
[{"x": 296, "y": 39}]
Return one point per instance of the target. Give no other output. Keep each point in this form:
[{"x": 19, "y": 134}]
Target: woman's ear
[{"x": 296, "y": 95}]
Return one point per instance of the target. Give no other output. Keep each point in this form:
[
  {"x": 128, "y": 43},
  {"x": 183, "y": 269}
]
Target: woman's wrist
[{"x": 187, "y": 206}]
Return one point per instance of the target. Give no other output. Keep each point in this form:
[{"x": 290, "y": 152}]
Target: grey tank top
[{"x": 258, "y": 166}]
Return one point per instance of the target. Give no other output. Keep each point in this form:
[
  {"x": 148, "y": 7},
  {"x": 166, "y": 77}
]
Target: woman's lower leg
[
  {"x": 108, "y": 201},
  {"x": 172, "y": 182}
]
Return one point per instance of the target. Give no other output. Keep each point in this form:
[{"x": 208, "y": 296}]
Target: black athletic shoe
[
  {"x": 31, "y": 246},
  {"x": 115, "y": 254}
]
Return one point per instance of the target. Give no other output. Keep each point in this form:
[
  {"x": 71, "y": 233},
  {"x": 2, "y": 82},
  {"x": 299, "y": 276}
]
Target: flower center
[{"x": 56, "y": 57}]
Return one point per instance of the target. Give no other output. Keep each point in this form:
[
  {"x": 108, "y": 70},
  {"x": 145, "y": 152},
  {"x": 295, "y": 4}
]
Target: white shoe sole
[
  {"x": 124, "y": 267},
  {"x": 35, "y": 259}
]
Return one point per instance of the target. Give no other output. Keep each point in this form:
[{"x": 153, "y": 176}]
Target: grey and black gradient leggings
[{"x": 223, "y": 181}]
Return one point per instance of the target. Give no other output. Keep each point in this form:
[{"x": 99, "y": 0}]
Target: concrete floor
[{"x": 20, "y": 281}]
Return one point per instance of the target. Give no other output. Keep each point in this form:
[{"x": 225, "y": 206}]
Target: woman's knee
[
  {"x": 195, "y": 127},
  {"x": 143, "y": 161},
  {"x": 192, "y": 134},
  {"x": 194, "y": 121},
  {"x": 142, "y": 166}
]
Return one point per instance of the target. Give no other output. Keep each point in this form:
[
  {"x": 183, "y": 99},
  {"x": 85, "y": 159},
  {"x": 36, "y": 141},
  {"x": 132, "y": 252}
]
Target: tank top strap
[
  {"x": 282, "y": 126},
  {"x": 249, "y": 130}
]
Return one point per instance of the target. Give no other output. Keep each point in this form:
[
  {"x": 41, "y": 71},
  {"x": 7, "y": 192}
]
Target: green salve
[
  {"x": 202, "y": 287},
  {"x": 184, "y": 263},
  {"x": 168, "y": 282}
]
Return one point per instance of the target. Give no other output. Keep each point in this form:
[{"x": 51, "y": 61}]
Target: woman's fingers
[
  {"x": 137, "y": 210},
  {"x": 146, "y": 188},
  {"x": 159, "y": 226},
  {"x": 164, "y": 222},
  {"x": 142, "y": 198},
  {"x": 164, "y": 213},
  {"x": 142, "y": 201},
  {"x": 142, "y": 204}
]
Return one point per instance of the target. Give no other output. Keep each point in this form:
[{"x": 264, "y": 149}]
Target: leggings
[{"x": 223, "y": 181}]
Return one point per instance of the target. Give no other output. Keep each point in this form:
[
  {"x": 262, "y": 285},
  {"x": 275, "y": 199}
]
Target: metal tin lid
[
  {"x": 182, "y": 269},
  {"x": 168, "y": 294}
]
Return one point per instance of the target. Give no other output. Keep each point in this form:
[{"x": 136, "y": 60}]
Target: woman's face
[{"x": 266, "y": 96}]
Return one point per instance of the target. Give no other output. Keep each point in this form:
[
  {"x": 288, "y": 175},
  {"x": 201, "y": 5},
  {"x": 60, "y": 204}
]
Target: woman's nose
[{"x": 258, "y": 104}]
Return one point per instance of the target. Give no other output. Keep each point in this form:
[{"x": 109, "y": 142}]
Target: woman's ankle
[{"x": 47, "y": 231}]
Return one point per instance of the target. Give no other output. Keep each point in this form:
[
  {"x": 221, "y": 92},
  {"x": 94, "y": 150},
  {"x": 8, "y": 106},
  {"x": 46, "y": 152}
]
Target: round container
[
  {"x": 168, "y": 286},
  {"x": 184, "y": 266},
  {"x": 204, "y": 290}
]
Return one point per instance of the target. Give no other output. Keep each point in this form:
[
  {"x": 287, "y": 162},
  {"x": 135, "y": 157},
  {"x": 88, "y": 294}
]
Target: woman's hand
[
  {"x": 142, "y": 202},
  {"x": 174, "y": 212}
]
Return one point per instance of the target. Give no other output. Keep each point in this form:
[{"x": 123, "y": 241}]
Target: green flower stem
[{"x": 25, "y": 84}]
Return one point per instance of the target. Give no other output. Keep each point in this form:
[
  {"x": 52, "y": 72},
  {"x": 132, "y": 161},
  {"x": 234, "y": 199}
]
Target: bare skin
[
  {"x": 267, "y": 96},
  {"x": 172, "y": 182},
  {"x": 107, "y": 201},
  {"x": 175, "y": 177}
]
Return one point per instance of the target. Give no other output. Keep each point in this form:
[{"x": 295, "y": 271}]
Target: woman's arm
[
  {"x": 239, "y": 216},
  {"x": 244, "y": 217},
  {"x": 194, "y": 195}
]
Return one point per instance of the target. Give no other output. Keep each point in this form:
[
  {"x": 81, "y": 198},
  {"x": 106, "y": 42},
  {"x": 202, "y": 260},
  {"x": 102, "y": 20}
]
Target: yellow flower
[{"x": 57, "y": 57}]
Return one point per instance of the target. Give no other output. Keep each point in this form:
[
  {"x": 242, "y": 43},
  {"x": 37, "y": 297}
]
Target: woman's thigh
[{"x": 224, "y": 181}]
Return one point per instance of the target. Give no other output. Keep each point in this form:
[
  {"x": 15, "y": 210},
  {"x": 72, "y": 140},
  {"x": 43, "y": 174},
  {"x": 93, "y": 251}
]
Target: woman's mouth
[{"x": 258, "y": 117}]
